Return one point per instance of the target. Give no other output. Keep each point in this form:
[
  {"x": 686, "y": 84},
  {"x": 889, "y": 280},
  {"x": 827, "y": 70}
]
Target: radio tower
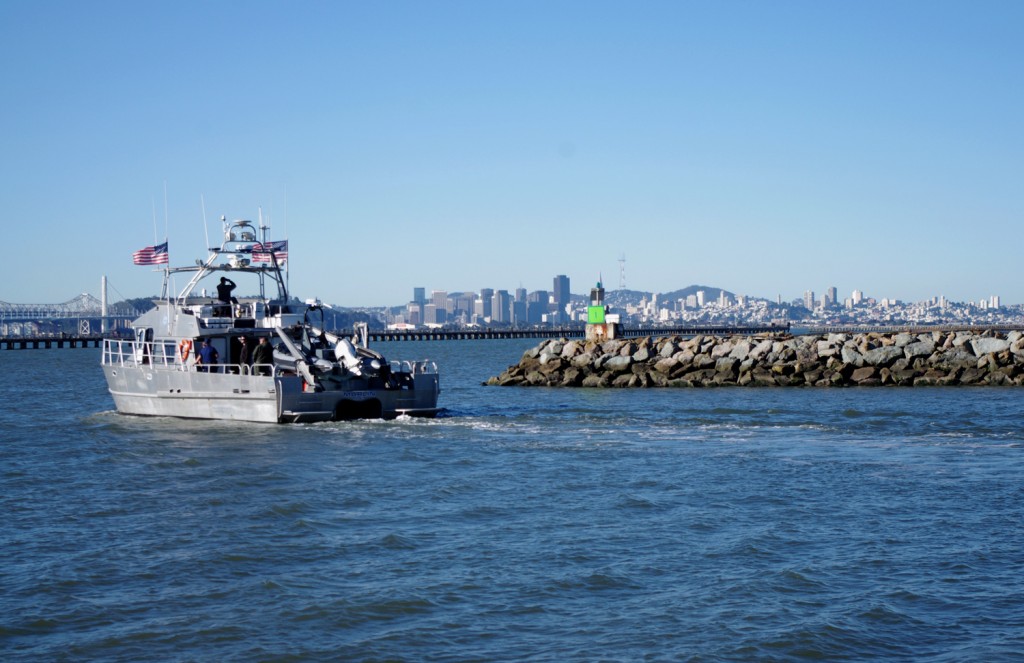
[{"x": 622, "y": 271}]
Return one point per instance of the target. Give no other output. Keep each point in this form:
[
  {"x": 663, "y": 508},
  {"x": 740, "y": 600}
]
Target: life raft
[{"x": 185, "y": 349}]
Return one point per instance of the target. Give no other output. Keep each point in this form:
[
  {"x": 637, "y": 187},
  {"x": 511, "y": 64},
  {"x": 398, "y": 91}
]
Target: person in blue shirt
[{"x": 207, "y": 358}]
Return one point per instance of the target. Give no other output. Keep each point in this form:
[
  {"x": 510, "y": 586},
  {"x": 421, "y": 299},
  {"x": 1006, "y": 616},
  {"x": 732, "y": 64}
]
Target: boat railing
[
  {"x": 166, "y": 355},
  {"x": 215, "y": 314},
  {"x": 134, "y": 353}
]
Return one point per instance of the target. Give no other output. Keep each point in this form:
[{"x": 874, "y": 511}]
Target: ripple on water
[{"x": 521, "y": 525}]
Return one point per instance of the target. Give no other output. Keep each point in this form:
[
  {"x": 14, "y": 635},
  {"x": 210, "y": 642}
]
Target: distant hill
[
  {"x": 622, "y": 298},
  {"x": 709, "y": 293}
]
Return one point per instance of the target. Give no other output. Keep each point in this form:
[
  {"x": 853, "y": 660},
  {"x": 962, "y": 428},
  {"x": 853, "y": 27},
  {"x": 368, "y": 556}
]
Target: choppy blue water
[{"x": 526, "y": 524}]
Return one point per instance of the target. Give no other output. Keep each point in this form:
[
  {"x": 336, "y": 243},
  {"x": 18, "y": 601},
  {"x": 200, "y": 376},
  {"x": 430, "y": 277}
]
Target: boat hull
[{"x": 168, "y": 392}]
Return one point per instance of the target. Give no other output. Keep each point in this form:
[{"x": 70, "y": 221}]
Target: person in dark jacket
[
  {"x": 263, "y": 357},
  {"x": 243, "y": 355},
  {"x": 224, "y": 289}
]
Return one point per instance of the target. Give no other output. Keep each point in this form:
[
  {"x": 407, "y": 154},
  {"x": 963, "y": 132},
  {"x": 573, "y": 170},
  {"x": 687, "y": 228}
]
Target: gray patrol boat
[{"x": 310, "y": 375}]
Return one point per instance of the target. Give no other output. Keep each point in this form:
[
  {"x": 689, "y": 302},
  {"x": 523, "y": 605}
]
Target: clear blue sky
[{"x": 762, "y": 147}]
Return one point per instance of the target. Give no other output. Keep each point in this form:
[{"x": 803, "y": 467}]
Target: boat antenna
[
  {"x": 164, "y": 290},
  {"x": 287, "y": 264},
  {"x": 166, "y": 222},
  {"x": 167, "y": 225},
  {"x": 263, "y": 243},
  {"x": 154, "y": 221},
  {"x": 206, "y": 228}
]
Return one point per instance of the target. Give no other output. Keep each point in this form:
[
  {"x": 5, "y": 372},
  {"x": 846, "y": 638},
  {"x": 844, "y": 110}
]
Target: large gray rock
[
  {"x": 919, "y": 349},
  {"x": 984, "y": 346},
  {"x": 618, "y": 364},
  {"x": 721, "y": 350},
  {"x": 741, "y": 349},
  {"x": 727, "y": 365},
  {"x": 546, "y": 357},
  {"x": 666, "y": 365},
  {"x": 863, "y": 375},
  {"x": 851, "y": 356},
  {"x": 571, "y": 349},
  {"x": 760, "y": 350},
  {"x": 826, "y": 349},
  {"x": 903, "y": 340},
  {"x": 883, "y": 356},
  {"x": 584, "y": 360}
]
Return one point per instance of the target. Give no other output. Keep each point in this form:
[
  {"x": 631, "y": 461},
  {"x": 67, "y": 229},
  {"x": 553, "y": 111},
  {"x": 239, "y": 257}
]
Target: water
[{"x": 525, "y": 524}]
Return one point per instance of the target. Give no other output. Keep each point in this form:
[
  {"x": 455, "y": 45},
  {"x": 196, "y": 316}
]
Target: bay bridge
[{"x": 75, "y": 323}]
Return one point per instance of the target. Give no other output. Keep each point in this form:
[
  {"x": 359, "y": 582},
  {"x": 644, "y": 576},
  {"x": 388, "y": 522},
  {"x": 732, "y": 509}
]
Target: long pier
[
  {"x": 571, "y": 332},
  {"x": 383, "y": 336},
  {"x": 910, "y": 329},
  {"x": 47, "y": 342}
]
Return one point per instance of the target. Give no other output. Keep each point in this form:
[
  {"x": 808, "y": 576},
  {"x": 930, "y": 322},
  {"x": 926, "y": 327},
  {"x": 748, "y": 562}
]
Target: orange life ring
[{"x": 184, "y": 348}]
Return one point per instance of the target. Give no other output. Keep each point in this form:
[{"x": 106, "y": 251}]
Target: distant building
[
  {"x": 536, "y": 307},
  {"x": 484, "y": 303},
  {"x": 809, "y": 300},
  {"x": 430, "y": 314},
  {"x": 519, "y": 312},
  {"x": 560, "y": 291},
  {"x": 419, "y": 295},
  {"x": 414, "y": 313},
  {"x": 501, "y": 306}
]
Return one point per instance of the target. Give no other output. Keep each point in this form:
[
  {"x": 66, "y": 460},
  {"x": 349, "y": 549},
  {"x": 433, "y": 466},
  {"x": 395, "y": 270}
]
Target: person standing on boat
[
  {"x": 243, "y": 355},
  {"x": 207, "y": 358},
  {"x": 262, "y": 357},
  {"x": 224, "y": 291}
]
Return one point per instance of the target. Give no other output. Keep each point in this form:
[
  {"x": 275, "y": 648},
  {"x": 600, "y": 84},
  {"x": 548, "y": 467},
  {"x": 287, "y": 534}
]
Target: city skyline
[
  {"x": 418, "y": 292},
  {"x": 759, "y": 147},
  {"x": 695, "y": 304}
]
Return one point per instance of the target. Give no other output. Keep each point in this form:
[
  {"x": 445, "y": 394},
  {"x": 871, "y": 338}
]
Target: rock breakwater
[{"x": 862, "y": 359}]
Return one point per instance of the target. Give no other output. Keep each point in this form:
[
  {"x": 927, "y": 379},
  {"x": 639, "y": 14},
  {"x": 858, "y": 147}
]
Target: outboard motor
[
  {"x": 345, "y": 353},
  {"x": 348, "y": 356}
]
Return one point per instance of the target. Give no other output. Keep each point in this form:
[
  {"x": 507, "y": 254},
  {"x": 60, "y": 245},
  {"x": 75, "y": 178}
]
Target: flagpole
[{"x": 288, "y": 263}]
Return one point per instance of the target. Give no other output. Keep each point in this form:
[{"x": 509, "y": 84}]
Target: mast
[{"x": 103, "y": 305}]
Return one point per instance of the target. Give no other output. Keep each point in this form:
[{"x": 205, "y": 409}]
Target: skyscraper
[
  {"x": 536, "y": 306},
  {"x": 486, "y": 295},
  {"x": 560, "y": 290},
  {"x": 501, "y": 308},
  {"x": 439, "y": 298}
]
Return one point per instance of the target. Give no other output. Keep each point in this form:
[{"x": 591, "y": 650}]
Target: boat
[{"x": 311, "y": 375}]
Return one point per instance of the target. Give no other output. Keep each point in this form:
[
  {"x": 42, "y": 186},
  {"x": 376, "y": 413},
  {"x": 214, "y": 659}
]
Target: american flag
[
  {"x": 261, "y": 252},
  {"x": 151, "y": 255}
]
